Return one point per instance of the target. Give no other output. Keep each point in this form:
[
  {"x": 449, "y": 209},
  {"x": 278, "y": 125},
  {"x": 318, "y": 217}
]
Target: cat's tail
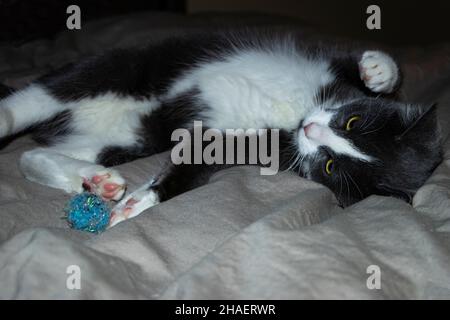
[{"x": 25, "y": 108}]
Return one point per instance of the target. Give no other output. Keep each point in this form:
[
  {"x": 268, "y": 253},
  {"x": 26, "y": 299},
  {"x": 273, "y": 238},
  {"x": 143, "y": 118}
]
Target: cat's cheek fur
[{"x": 306, "y": 146}]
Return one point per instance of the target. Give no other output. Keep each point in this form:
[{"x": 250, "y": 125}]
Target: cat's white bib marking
[
  {"x": 243, "y": 90},
  {"x": 285, "y": 113}
]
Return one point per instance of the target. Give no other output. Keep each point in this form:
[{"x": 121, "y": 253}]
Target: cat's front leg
[
  {"x": 134, "y": 204},
  {"x": 172, "y": 181},
  {"x": 379, "y": 72},
  {"x": 54, "y": 169}
]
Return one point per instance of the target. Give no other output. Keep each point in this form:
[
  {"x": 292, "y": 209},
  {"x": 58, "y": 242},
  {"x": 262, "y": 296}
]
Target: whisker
[
  {"x": 372, "y": 121},
  {"x": 340, "y": 188},
  {"x": 356, "y": 185},
  {"x": 348, "y": 187},
  {"x": 362, "y": 128},
  {"x": 293, "y": 164}
]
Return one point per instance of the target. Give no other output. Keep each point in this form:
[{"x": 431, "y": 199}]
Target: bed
[{"x": 241, "y": 236}]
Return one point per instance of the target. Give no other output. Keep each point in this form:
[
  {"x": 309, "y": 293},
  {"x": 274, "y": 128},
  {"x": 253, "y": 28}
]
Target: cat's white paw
[
  {"x": 132, "y": 205},
  {"x": 104, "y": 182},
  {"x": 378, "y": 71}
]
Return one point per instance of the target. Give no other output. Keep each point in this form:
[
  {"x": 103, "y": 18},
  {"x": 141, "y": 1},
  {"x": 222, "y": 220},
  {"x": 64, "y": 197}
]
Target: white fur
[
  {"x": 320, "y": 134},
  {"x": 273, "y": 88},
  {"x": 257, "y": 89},
  {"x": 143, "y": 199},
  {"x": 48, "y": 167},
  {"x": 96, "y": 123},
  {"x": 26, "y": 107},
  {"x": 104, "y": 121},
  {"x": 55, "y": 170},
  {"x": 110, "y": 118},
  {"x": 379, "y": 71}
]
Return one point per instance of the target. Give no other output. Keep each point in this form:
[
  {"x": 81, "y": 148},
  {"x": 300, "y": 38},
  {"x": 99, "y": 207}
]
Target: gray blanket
[{"x": 241, "y": 236}]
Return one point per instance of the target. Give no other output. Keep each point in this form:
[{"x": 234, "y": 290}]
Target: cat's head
[{"x": 370, "y": 146}]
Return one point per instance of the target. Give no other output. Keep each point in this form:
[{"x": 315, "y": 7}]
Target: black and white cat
[{"x": 341, "y": 124}]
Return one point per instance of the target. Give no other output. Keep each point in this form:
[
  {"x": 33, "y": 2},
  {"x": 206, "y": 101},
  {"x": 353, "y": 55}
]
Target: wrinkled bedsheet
[{"x": 241, "y": 236}]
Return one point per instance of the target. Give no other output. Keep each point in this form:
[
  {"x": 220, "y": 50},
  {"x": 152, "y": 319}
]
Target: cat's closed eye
[{"x": 351, "y": 122}]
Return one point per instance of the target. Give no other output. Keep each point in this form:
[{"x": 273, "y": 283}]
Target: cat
[{"x": 341, "y": 122}]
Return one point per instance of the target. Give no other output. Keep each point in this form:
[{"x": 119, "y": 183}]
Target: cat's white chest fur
[{"x": 257, "y": 89}]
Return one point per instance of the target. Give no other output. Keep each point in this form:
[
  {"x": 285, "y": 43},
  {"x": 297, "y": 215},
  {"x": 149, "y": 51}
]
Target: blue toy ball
[{"x": 87, "y": 212}]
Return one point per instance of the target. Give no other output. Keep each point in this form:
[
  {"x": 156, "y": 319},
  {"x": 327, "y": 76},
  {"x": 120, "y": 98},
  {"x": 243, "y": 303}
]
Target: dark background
[{"x": 403, "y": 22}]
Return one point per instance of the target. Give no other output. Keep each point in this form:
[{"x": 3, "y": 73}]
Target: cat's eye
[
  {"x": 329, "y": 166},
  {"x": 351, "y": 122}
]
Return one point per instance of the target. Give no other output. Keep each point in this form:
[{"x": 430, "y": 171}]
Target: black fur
[
  {"x": 177, "y": 179},
  {"x": 401, "y": 167},
  {"x": 140, "y": 73},
  {"x": 53, "y": 129},
  {"x": 5, "y": 91},
  {"x": 156, "y": 129}
]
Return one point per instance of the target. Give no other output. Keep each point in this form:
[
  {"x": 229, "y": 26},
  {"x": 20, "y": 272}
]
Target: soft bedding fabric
[{"x": 242, "y": 236}]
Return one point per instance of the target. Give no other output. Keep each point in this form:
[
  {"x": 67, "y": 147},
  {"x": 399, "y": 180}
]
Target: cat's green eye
[
  {"x": 351, "y": 122},
  {"x": 329, "y": 166}
]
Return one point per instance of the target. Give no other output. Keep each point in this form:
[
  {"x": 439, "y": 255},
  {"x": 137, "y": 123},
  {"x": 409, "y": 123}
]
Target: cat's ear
[{"x": 419, "y": 121}]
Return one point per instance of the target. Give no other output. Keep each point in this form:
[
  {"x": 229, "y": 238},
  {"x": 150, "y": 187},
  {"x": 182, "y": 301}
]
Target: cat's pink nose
[{"x": 308, "y": 128}]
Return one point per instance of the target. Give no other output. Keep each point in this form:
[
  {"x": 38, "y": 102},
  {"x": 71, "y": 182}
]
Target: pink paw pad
[
  {"x": 109, "y": 186},
  {"x": 133, "y": 205}
]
